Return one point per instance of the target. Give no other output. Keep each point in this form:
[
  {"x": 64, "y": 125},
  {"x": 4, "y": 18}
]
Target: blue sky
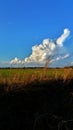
[{"x": 25, "y": 23}]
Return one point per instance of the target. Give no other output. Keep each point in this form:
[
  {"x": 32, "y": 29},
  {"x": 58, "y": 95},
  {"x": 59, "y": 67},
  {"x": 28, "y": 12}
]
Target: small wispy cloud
[
  {"x": 60, "y": 58},
  {"x": 71, "y": 63}
]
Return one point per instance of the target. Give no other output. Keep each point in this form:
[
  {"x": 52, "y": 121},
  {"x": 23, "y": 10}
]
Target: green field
[
  {"x": 18, "y": 78},
  {"x": 13, "y": 79},
  {"x": 38, "y": 72}
]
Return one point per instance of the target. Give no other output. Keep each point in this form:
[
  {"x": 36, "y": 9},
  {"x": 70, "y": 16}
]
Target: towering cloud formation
[
  {"x": 47, "y": 49},
  {"x": 40, "y": 53}
]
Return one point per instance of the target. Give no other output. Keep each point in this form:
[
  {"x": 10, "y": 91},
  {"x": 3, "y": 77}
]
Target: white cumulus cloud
[
  {"x": 41, "y": 52},
  {"x": 15, "y": 61},
  {"x": 47, "y": 49},
  {"x": 63, "y": 37}
]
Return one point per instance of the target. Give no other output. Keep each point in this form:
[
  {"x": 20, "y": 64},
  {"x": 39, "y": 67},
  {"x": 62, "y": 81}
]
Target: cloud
[
  {"x": 15, "y": 61},
  {"x": 61, "y": 57},
  {"x": 71, "y": 63},
  {"x": 41, "y": 52},
  {"x": 66, "y": 56},
  {"x": 63, "y": 37},
  {"x": 48, "y": 49}
]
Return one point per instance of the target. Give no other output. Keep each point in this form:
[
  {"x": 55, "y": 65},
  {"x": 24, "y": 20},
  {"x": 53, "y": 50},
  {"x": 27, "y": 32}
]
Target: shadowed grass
[{"x": 31, "y": 100}]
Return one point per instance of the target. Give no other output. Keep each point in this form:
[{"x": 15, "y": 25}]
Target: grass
[
  {"x": 29, "y": 97},
  {"x": 17, "y": 78},
  {"x": 11, "y": 76}
]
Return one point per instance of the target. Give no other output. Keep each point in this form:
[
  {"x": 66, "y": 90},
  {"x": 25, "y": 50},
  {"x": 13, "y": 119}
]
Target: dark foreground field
[{"x": 45, "y": 105}]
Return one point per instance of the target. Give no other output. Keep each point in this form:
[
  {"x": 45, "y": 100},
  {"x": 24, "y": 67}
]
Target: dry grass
[
  {"x": 67, "y": 74},
  {"x": 57, "y": 75},
  {"x": 20, "y": 78},
  {"x": 47, "y": 94}
]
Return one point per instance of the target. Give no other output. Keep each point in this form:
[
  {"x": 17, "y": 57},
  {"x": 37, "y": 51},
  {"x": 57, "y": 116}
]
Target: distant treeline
[{"x": 35, "y": 67}]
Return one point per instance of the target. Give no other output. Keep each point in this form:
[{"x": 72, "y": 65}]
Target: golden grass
[
  {"x": 67, "y": 74},
  {"x": 21, "y": 77}
]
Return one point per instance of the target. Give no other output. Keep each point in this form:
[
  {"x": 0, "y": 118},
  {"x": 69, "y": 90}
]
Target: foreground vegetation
[
  {"x": 36, "y": 99},
  {"x": 17, "y": 78}
]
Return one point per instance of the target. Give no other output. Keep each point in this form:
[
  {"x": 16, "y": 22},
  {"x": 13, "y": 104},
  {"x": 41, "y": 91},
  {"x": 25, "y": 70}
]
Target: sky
[{"x": 33, "y": 31}]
